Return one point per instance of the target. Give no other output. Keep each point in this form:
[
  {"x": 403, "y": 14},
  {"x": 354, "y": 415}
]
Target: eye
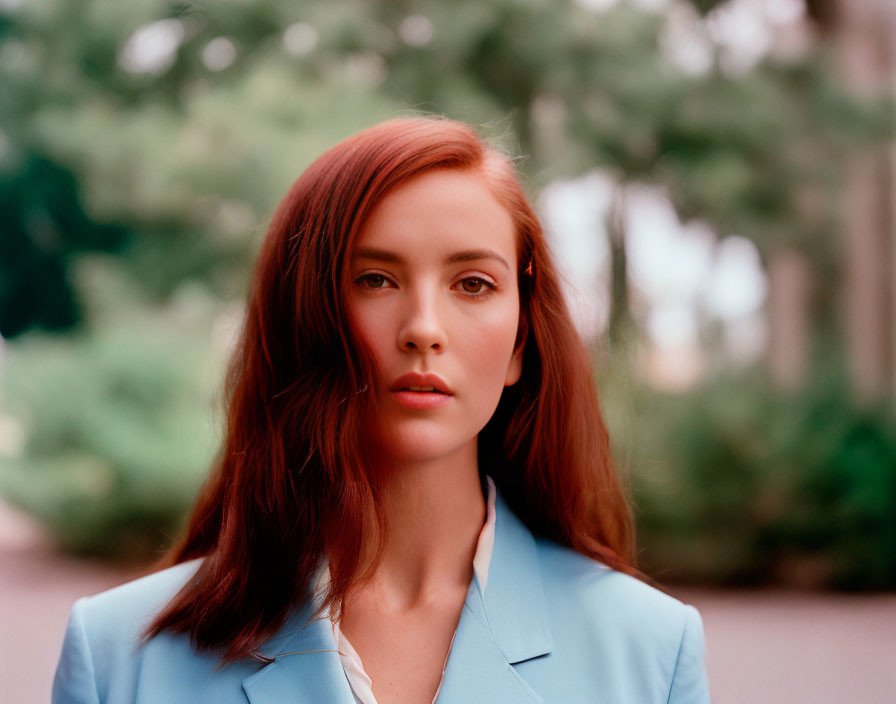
[
  {"x": 372, "y": 281},
  {"x": 476, "y": 285}
]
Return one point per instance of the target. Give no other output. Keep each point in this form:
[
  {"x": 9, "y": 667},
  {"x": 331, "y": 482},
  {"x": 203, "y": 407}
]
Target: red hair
[{"x": 294, "y": 482}]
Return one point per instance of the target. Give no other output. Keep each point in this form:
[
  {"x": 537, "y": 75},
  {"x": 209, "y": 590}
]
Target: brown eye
[
  {"x": 373, "y": 281},
  {"x": 475, "y": 285}
]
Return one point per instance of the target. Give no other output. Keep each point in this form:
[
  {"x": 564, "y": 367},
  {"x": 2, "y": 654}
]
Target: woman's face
[{"x": 434, "y": 295}]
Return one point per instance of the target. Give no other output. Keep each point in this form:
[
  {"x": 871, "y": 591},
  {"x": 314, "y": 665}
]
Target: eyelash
[{"x": 489, "y": 286}]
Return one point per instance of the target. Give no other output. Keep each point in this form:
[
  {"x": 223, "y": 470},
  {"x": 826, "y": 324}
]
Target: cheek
[
  {"x": 369, "y": 322},
  {"x": 493, "y": 346},
  {"x": 369, "y": 334}
]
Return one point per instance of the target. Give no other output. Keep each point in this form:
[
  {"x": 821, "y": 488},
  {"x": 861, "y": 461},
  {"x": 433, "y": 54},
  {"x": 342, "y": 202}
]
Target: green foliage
[
  {"x": 116, "y": 422},
  {"x": 739, "y": 484},
  {"x": 44, "y": 225},
  {"x": 189, "y": 161}
]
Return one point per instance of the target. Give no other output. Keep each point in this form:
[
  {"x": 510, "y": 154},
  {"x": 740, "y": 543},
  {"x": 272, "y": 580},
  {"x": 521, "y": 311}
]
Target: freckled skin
[{"x": 457, "y": 319}]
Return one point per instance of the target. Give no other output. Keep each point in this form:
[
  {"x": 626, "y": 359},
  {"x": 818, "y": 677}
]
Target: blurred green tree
[{"x": 44, "y": 227}]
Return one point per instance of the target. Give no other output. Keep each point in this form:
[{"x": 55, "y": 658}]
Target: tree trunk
[
  {"x": 863, "y": 34},
  {"x": 619, "y": 298},
  {"x": 789, "y": 277}
]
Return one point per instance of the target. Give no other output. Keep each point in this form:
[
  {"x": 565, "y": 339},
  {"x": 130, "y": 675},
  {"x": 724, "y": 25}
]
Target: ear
[{"x": 515, "y": 368}]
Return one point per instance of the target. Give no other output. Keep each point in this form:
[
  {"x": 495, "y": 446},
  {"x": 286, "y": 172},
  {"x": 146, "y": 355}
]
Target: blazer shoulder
[
  {"x": 653, "y": 637},
  {"x": 100, "y": 658},
  {"x": 592, "y": 588},
  {"x": 141, "y": 597},
  {"x": 120, "y": 614}
]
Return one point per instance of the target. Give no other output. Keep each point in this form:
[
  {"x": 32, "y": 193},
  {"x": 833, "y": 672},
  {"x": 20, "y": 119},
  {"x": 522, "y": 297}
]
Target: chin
[
  {"x": 427, "y": 447},
  {"x": 415, "y": 453}
]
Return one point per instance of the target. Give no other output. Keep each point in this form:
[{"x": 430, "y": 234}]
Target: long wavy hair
[{"x": 297, "y": 478}]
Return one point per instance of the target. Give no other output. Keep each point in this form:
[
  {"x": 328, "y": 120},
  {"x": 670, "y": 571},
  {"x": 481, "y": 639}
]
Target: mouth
[
  {"x": 421, "y": 398},
  {"x": 421, "y": 383}
]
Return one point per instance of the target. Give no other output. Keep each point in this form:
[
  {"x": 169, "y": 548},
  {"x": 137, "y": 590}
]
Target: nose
[{"x": 423, "y": 326}]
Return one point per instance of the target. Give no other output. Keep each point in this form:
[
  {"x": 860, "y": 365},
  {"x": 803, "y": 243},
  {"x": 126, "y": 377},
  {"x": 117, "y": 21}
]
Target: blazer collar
[
  {"x": 514, "y": 601},
  {"x": 505, "y": 625}
]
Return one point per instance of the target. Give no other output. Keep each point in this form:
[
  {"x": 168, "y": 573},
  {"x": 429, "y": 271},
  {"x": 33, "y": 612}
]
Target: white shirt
[{"x": 358, "y": 679}]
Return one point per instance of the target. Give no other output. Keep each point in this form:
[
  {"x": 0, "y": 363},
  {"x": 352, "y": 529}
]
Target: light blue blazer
[{"x": 552, "y": 626}]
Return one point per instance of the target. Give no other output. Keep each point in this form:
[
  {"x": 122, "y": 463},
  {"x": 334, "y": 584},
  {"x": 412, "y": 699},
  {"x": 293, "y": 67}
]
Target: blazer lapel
[
  {"x": 306, "y": 667},
  {"x": 514, "y": 598},
  {"x": 505, "y": 625}
]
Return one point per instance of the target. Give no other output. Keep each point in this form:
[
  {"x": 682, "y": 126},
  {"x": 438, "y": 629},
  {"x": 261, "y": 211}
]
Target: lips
[{"x": 421, "y": 383}]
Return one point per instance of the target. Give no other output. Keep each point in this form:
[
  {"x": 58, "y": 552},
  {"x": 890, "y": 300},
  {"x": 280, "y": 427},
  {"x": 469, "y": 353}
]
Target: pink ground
[{"x": 767, "y": 646}]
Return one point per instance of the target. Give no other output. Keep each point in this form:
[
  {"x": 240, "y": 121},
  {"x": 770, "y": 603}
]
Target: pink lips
[{"x": 439, "y": 396}]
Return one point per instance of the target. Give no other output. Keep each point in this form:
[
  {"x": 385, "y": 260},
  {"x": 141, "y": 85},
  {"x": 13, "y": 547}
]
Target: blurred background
[{"x": 718, "y": 181}]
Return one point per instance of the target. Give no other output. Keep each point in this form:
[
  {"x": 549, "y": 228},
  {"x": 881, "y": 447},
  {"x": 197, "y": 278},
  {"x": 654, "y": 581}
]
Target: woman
[{"x": 414, "y": 499}]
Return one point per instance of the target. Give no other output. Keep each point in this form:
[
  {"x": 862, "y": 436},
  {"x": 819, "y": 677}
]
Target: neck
[{"x": 436, "y": 511}]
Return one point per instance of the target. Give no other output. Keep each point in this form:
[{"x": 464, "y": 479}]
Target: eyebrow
[{"x": 466, "y": 255}]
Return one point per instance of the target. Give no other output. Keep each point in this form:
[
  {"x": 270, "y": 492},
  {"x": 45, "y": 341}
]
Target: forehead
[{"x": 437, "y": 211}]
